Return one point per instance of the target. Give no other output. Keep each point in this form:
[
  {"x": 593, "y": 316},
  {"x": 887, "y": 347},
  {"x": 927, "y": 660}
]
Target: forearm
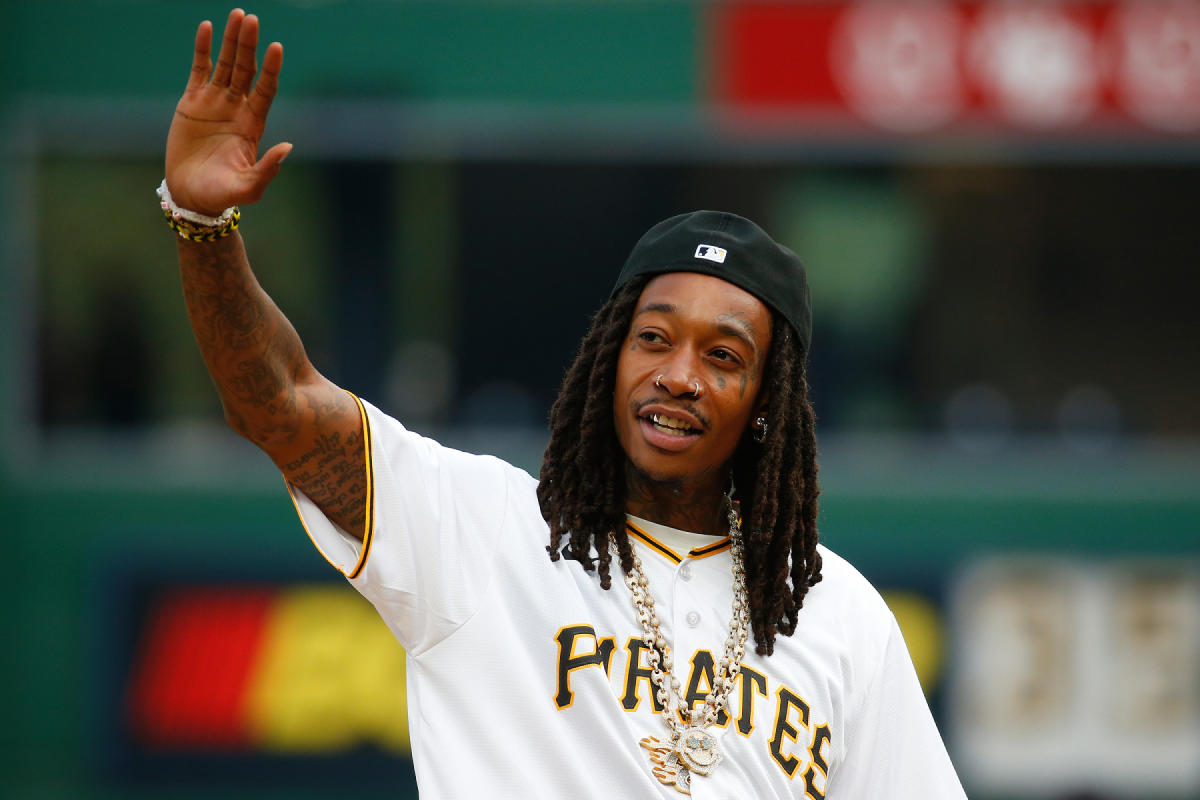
[
  {"x": 272, "y": 395},
  {"x": 253, "y": 353},
  {"x": 271, "y": 392}
]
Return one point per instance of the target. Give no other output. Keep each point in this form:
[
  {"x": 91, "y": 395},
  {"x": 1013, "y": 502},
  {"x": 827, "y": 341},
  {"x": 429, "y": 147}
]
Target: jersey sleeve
[
  {"x": 435, "y": 517},
  {"x": 893, "y": 748}
]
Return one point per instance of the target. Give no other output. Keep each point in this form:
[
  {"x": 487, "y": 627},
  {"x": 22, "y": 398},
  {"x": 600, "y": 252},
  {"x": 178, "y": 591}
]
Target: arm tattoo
[
  {"x": 250, "y": 348},
  {"x": 267, "y": 385},
  {"x": 333, "y": 475}
]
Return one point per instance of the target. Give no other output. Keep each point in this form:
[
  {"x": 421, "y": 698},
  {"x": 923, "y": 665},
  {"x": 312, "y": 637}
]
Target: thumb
[
  {"x": 274, "y": 157},
  {"x": 268, "y": 166}
]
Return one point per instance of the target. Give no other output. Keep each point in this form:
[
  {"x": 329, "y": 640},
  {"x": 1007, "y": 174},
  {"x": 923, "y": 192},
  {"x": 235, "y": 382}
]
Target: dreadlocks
[{"x": 582, "y": 485}]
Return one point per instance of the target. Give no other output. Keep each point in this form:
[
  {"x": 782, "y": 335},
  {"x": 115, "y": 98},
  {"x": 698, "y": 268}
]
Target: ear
[
  {"x": 755, "y": 429},
  {"x": 760, "y": 406}
]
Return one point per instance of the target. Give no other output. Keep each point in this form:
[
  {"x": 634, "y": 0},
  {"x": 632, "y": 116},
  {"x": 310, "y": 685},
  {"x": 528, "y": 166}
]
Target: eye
[
  {"x": 651, "y": 337},
  {"x": 728, "y": 356}
]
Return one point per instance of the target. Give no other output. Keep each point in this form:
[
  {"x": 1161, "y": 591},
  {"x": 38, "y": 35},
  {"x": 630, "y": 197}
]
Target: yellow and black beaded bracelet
[{"x": 198, "y": 233}]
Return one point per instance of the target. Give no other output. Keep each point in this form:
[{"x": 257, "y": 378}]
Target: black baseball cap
[{"x": 734, "y": 249}]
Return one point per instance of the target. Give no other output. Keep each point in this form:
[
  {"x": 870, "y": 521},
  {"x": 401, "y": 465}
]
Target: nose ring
[{"x": 693, "y": 392}]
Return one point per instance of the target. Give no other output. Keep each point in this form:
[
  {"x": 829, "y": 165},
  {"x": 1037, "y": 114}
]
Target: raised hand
[{"x": 212, "y": 147}]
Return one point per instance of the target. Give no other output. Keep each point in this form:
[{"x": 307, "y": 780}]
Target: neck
[{"x": 696, "y": 507}]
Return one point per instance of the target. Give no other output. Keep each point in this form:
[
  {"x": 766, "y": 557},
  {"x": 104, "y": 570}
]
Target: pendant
[
  {"x": 669, "y": 770},
  {"x": 698, "y": 751},
  {"x": 695, "y": 752}
]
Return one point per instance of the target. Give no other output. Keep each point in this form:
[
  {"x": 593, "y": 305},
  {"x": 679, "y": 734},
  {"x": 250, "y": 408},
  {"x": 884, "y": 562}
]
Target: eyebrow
[{"x": 741, "y": 330}]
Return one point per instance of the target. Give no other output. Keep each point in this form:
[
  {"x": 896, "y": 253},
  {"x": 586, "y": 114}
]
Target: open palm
[{"x": 212, "y": 147}]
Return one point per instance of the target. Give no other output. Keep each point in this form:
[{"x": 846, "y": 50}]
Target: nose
[
  {"x": 679, "y": 370},
  {"x": 678, "y": 383}
]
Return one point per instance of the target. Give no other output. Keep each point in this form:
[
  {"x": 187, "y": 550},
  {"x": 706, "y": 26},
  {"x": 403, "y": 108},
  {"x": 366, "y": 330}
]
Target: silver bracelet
[{"x": 168, "y": 206}]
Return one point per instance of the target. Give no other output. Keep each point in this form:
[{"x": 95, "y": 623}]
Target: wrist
[
  {"x": 194, "y": 225},
  {"x": 193, "y": 215}
]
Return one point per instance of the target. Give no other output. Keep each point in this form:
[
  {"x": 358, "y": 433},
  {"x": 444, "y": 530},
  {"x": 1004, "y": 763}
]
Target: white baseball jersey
[{"x": 526, "y": 679}]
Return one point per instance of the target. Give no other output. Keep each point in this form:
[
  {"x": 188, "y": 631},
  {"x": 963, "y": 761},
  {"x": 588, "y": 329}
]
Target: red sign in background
[
  {"x": 283, "y": 668},
  {"x": 198, "y": 659},
  {"x": 915, "y": 67},
  {"x": 211, "y": 676}
]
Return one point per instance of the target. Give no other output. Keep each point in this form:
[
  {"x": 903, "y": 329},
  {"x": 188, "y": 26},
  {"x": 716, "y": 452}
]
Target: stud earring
[{"x": 760, "y": 430}]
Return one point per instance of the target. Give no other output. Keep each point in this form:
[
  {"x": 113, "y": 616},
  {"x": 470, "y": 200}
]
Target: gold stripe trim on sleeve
[
  {"x": 369, "y": 514},
  {"x": 292, "y": 496}
]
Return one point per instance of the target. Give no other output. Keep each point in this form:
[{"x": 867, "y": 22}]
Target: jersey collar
[{"x": 674, "y": 544}]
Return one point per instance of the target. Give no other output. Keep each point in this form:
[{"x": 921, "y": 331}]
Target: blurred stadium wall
[{"x": 997, "y": 205}]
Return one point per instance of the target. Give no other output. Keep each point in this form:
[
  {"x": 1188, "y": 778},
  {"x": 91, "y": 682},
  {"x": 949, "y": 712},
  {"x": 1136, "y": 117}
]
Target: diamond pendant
[
  {"x": 696, "y": 752},
  {"x": 669, "y": 770}
]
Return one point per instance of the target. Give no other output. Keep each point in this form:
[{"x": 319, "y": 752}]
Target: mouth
[{"x": 671, "y": 426}]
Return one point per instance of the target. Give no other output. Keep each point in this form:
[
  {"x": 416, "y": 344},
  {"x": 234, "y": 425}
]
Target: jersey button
[
  {"x": 693, "y": 619},
  {"x": 685, "y": 572}
]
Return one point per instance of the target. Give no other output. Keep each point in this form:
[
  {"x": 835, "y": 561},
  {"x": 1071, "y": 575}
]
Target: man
[{"x": 681, "y": 448}]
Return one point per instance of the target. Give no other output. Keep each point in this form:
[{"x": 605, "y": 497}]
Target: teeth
[{"x": 670, "y": 424}]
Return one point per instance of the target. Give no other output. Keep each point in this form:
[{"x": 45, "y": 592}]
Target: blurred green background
[{"x": 1004, "y": 361}]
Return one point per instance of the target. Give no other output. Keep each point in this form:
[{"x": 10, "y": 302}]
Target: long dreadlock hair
[{"x": 582, "y": 485}]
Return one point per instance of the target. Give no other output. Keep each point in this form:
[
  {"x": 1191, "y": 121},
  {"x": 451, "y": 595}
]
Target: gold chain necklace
[{"x": 691, "y": 749}]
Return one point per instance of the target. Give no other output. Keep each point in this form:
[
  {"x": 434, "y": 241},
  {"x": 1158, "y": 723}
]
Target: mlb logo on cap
[{"x": 711, "y": 253}]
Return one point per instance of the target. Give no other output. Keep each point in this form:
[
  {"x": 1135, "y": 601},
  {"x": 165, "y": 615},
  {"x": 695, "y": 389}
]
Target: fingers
[
  {"x": 229, "y": 46},
  {"x": 268, "y": 81},
  {"x": 201, "y": 58},
  {"x": 236, "y": 63},
  {"x": 245, "y": 65}
]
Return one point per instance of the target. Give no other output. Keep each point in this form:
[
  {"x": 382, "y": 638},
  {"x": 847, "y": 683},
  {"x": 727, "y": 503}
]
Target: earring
[{"x": 760, "y": 430}]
